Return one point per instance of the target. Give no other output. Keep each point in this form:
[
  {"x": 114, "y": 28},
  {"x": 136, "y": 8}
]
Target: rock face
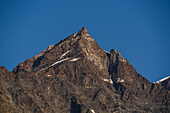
[
  {"x": 77, "y": 76},
  {"x": 165, "y": 82}
]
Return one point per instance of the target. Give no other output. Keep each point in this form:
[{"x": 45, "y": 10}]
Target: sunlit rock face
[{"x": 77, "y": 76}]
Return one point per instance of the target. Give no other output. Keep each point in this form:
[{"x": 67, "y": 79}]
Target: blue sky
[{"x": 138, "y": 29}]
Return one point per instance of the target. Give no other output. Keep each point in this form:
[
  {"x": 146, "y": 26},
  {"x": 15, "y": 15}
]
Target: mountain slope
[{"x": 77, "y": 76}]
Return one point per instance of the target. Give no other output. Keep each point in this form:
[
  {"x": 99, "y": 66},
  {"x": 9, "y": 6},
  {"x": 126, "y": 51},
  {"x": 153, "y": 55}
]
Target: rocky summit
[{"x": 77, "y": 76}]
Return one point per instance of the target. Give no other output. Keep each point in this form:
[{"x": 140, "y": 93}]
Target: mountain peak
[
  {"x": 83, "y": 29},
  {"x": 79, "y": 72},
  {"x": 83, "y": 32}
]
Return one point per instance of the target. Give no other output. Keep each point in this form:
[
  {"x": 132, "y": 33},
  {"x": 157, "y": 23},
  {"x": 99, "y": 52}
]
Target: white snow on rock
[
  {"x": 75, "y": 34},
  {"x": 108, "y": 80},
  {"x": 92, "y": 111},
  {"x": 106, "y": 51},
  {"x": 74, "y": 59},
  {"x": 64, "y": 54},
  {"x": 163, "y": 79},
  {"x": 120, "y": 80},
  {"x": 59, "y": 61},
  {"x": 54, "y": 64}
]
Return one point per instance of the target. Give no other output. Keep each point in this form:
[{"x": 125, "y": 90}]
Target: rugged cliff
[{"x": 77, "y": 76}]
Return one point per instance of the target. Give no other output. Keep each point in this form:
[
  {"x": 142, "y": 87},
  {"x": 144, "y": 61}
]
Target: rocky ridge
[{"x": 77, "y": 76}]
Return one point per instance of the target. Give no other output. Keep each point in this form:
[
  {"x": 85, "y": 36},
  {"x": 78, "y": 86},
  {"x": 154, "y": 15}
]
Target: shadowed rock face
[
  {"x": 165, "y": 82},
  {"x": 77, "y": 76}
]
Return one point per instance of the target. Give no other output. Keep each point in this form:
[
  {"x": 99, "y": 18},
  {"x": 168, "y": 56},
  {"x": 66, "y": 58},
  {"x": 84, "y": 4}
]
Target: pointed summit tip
[
  {"x": 83, "y": 32},
  {"x": 84, "y": 29}
]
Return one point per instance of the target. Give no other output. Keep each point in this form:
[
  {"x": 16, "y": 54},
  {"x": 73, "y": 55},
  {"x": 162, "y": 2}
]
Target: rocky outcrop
[{"x": 77, "y": 76}]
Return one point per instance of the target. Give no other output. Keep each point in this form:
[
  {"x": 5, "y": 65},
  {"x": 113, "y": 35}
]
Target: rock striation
[{"x": 77, "y": 76}]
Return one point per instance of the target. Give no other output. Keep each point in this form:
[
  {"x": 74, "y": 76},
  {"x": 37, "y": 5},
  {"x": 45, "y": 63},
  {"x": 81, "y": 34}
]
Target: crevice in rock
[
  {"x": 96, "y": 94},
  {"x": 75, "y": 107}
]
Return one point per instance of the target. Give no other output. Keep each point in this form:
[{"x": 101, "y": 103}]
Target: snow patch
[
  {"x": 75, "y": 34},
  {"x": 74, "y": 59},
  {"x": 48, "y": 75},
  {"x": 64, "y": 54},
  {"x": 59, "y": 61},
  {"x": 120, "y": 80},
  {"x": 108, "y": 80},
  {"x": 106, "y": 51},
  {"x": 92, "y": 111},
  {"x": 163, "y": 79},
  {"x": 54, "y": 64}
]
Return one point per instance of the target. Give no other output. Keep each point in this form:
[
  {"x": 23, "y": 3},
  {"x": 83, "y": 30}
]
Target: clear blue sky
[{"x": 138, "y": 29}]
